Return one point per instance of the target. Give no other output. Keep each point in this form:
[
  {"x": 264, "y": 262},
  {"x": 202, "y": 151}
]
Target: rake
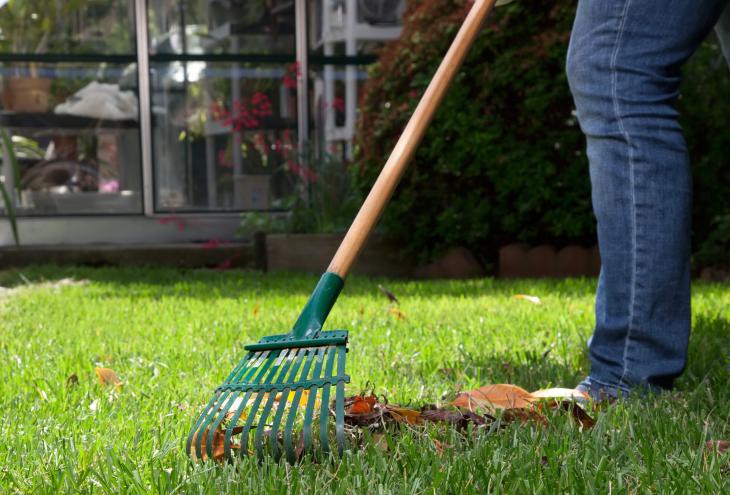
[{"x": 279, "y": 397}]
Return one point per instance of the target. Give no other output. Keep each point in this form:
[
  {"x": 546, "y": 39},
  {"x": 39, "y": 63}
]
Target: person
[{"x": 624, "y": 70}]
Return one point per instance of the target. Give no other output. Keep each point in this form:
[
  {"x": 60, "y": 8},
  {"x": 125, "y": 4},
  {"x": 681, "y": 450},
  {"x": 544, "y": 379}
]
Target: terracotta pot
[{"x": 27, "y": 94}]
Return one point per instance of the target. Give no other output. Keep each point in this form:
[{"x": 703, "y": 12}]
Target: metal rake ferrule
[{"x": 274, "y": 387}]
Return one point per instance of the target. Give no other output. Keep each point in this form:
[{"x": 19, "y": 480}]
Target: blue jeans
[{"x": 623, "y": 66}]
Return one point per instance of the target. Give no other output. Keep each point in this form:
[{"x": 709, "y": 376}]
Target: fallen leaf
[
  {"x": 219, "y": 437},
  {"x": 527, "y": 297},
  {"x": 579, "y": 414},
  {"x": 491, "y": 397},
  {"x": 72, "y": 380},
  {"x": 400, "y": 315},
  {"x": 560, "y": 393},
  {"x": 361, "y": 405},
  {"x": 256, "y": 309},
  {"x": 403, "y": 415},
  {"x": 719, "y": 446},
  {"x": 391, "y": 297},
  {"x": 524, "y": 415},
  {"x": 454, "y": 417},
  {"x": 107, "y": 376}
]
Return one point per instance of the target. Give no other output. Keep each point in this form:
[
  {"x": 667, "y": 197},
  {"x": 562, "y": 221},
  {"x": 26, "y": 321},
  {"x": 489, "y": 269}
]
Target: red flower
[
  {"x": 292, "y": 74},
  {"x": 338, "y": 104}
]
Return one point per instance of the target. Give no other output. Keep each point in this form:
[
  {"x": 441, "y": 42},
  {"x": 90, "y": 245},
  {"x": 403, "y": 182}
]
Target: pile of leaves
[
  {"x": 482, "y": 409},
  {"x": 478, "y": 407}
]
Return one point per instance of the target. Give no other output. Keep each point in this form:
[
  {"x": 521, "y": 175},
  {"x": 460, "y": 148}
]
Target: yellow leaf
[
  {"x": 107, "y": 376},
  {"x": 400, "y": 315},
  {"x": 527, "y": 297}
]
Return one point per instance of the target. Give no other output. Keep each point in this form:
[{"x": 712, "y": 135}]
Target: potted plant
[{"x": 25, "y": 28}]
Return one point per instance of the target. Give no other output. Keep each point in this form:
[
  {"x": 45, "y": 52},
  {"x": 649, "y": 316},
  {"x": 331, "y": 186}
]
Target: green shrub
[{"x": 504, "y": 158}]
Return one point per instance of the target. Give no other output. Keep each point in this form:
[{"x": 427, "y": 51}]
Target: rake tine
[
  {"x": 211, "y": 407},
  {"x": 340, "y": 401},
  {"x": 282, "y": 405},
  {"x": 270, "y": 402},
  {"x": 257, "y": 402},
  {"x": 309, "y": 411},
  {"x": 325, "y": 411},
  {"x": 290, "y": 454},
  {"x": 229, "y": 430}
]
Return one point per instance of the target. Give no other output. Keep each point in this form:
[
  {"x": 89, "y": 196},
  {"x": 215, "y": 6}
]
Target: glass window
[
  {"x": 67, "y": 27},
  {"x": 224, "y": 135},
  {"x": 221, "y": 26},
  {"x": 75, "y": 135},
  {"x": 352, "y": 27},
  {"x": 343, "y": 36},
  {"x": 334, "y": 96}
]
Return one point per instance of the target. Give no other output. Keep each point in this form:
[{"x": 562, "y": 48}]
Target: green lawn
[{"x": 173, "y": 336}]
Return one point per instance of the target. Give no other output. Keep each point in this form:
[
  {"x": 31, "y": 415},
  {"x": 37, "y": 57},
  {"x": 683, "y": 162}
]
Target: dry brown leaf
[
  {"x": 491, "y": 397},
  {"x": 219, "y": 438},
  {"x": 524, "y": 415},
  {"x": 719, "y": 446},
  {"x": 403, "y": 415},
  {"x": 453, "y": 416},
  {"x": 72, "y": 380},
  {"x": 256, "y": 309},
  {"x": 360, "y": 404},
  {"x": 108, "y": 376},
  {"x": 579, "y": 414}
]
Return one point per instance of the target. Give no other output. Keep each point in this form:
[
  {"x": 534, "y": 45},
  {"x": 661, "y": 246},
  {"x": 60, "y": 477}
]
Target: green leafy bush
[{"x": 504, "y": 158}]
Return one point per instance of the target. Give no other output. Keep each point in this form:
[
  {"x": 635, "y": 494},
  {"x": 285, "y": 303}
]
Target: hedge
[{"x": 504, "y": 159}]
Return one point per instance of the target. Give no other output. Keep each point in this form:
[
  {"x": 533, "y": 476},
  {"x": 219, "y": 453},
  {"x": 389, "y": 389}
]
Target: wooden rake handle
[{"x": 393, "y": 170}]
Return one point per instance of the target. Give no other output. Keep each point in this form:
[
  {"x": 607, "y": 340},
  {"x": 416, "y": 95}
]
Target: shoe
[{"x": 601, "y": 392}]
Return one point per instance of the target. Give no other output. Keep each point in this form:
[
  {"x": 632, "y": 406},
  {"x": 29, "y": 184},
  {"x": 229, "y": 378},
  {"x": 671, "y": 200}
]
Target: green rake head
[{"x": 277, "y": 400}]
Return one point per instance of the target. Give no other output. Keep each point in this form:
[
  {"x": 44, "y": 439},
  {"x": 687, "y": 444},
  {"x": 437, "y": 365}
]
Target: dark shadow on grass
[
  {"x": 210, "y": 283},
  {"x": 708, "y": 366},
  {"x": 709, "y": 353},
  {"x": 527, "y": 369}
]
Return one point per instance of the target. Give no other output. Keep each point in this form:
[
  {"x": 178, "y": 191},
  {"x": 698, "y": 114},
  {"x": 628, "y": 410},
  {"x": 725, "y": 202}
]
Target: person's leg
[
  {"x": 723, "y": 32},
  {"x": 624, "y": 67}
]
